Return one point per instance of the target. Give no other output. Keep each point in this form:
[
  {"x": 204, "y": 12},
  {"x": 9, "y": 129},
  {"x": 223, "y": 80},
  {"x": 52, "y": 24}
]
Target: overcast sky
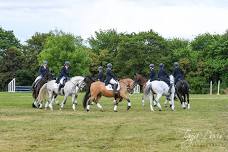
[{"x": 170, "y": 18}]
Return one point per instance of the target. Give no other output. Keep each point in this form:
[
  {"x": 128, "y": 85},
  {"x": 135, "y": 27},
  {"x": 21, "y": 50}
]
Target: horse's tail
[
  {"x": 43, "y": 93},
  {"x": 147, "y": 90}
]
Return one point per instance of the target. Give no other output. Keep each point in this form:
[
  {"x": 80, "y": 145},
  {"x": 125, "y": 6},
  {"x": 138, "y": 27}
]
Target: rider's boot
[
  {"x": 115, "y": 92},
  {"x": 60, "y": 86}
]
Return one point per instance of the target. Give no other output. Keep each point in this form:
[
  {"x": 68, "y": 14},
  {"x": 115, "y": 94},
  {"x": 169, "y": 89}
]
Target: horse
[
  {"x": 160, "y": 88},
  {"x": 36, "y": 87},
  {"x": 71, "y": 88},
  {"x": 97, "y": 89},
  {"x": 182, "y": 91}
]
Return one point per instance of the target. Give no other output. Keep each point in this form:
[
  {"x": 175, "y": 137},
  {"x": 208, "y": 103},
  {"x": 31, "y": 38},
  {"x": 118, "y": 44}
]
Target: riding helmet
[
  {"x": 176, "y": 64},
  {"x": 100, "y": 68},
  {"x": 161, "y": 65},
  {"x": 151, "y": 65},
  {"x": 67, "y": 63},
  {"x": 109, "y": 65},
  {"x": 45, "y": 62}
]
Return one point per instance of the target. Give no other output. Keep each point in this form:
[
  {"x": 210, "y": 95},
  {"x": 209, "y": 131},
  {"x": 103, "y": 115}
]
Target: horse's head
[
  {"x": 129, "y": 83},
  {"x": 139, "y": 79},
  {"x": 89, "y": 80},
  {"x": 48, "y": 76}
]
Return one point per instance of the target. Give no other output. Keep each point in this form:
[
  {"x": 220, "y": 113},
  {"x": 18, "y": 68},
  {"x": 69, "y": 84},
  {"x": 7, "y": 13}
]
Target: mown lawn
[{"x": 202, "y": 128}]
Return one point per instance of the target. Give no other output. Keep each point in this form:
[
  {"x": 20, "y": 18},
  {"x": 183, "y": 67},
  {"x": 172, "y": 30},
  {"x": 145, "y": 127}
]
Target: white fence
[
  {"x": 137, "y": 89},
  {"x": 11, "y": 86},
  {"x": 218, "y": 88}
]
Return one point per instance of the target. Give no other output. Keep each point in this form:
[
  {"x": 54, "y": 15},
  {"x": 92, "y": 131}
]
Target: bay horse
[
  {"x": 98, "y": 89},
  {"x": 36, "y": 88},
  {"x": 182, "y": 90}
]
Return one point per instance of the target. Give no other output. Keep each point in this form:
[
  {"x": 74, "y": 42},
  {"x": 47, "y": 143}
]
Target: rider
[
  {"x": 42, "y": 71},
  {"x": 163, "y": 76},
  {"x": 152, "y": 73},
  {"x": 64, "y": 75},
  {"x": 100, "y": 74},
  {"x": 177, "y": 72},
  {"x": 111, "y": 78}
]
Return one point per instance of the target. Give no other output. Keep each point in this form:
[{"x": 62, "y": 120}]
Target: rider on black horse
[
  {"x": 64, "y": 75},
  {"x": 177, "y": 73},
  {"x": 152, "y": 73},
  {"x": 43, "y": 70},
  {"x": 163, "y": 76},
  {"x": 111, "y": 78},
  {"x": 100, "y": 74}
]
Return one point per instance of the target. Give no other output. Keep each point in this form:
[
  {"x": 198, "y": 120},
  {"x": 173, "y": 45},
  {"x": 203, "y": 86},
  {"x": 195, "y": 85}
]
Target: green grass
[{"x": 202, "y": 128}]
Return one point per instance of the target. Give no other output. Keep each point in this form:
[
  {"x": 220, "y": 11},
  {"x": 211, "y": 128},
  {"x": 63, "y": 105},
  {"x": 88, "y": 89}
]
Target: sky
[{"x": 170, "y": 18}]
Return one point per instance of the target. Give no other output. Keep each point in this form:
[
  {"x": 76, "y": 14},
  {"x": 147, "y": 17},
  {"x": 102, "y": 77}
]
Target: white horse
[
  {"x": 71, "y": 88},
  {"x": 160, "y": 88}
]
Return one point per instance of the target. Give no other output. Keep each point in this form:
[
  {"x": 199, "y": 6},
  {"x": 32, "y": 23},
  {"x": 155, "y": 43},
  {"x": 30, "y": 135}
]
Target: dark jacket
[
  {"x": 109, "y": 76},
  {"x": 43, "y": 70},
  {"x": 100, "y": 76},
  {"x": 152, "y": 75},
  {"x": 163, "y": 76},
  {"x": 178, "y": 74},
  {"x": 64, "y": 72}
]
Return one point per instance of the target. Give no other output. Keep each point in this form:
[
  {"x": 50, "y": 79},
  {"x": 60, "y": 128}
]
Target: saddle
[{"x": 110, "y": 87}]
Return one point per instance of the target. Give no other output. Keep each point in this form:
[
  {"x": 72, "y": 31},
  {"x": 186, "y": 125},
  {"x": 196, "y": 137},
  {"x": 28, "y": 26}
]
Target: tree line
[{"x": 203, "y": 59}]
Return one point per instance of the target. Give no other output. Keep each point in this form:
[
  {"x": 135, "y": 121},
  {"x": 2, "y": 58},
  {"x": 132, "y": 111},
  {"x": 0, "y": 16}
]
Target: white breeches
[
  {"x": 62, "y": 79},
  {"x": 38, "y": 78},
  {"x": 112, "y": 81}
]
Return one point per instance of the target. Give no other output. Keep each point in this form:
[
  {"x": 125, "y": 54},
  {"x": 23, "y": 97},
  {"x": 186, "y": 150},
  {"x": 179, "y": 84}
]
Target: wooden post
[{"x": 218, "y": 87}]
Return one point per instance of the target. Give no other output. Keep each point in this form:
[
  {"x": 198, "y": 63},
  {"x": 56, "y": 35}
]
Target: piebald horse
[{"x": 97, "y": 89}]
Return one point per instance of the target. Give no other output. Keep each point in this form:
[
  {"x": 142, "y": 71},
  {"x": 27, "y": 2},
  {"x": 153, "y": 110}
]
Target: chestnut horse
[{"x": 97, "y": 89}]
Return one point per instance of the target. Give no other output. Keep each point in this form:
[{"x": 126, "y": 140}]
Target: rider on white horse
[
  {"x": 163, "y": 76},
  {"x": 42, "y": 71},
  {"x": 64, "y": 75},
  {"x": 111, "y": 78}
]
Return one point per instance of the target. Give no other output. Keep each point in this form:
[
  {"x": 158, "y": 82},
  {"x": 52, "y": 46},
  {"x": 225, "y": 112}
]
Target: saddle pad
[{"x": 109, "y": 87}]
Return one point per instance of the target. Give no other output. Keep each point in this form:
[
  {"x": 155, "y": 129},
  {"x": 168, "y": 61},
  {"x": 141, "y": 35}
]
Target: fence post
[
  {"x": 11, "y": 85},
  {"x": 211, "y": 88},
  {"x": 218, "y": 87}
]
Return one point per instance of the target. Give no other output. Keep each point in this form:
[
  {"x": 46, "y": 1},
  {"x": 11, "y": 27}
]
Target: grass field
[{"x": 202, "y": 128}]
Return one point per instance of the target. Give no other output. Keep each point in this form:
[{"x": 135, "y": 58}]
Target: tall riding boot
[
  {"x": 170, "y": 89},
  {"x": 115, "y": 89},
  {"x": 60, "y": 86}
]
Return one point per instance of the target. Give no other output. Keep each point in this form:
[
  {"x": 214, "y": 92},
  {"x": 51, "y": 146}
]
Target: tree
[
  {"x": 61, "y": 47},
  {"x": 11, "y": 62}
]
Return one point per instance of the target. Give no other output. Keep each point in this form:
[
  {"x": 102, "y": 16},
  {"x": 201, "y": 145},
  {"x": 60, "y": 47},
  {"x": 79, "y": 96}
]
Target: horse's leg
[
  {"x": 172, "y": 101},
  {"x": 157, "y": 101},
  {"x": 63, "y": 102},
  {"x": 74, "y": 101},
  {"x": 88, "y": 104},
  {"x": 188, "y": 100},
  {"x": 151, "y": 103},
  {"x": 166, "y": 100},
  {"x": 115, "y": 105},
  {"x": 98, "y": 104},
  {"x": 143, "y": 102}
]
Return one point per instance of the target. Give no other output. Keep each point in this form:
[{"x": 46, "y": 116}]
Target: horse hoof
[
  {"x": 160, "y": 110},
  {"x": 87, "y": 110},
  {"x": 115, "y": 111},
  {"x": 128, "y": 107}
]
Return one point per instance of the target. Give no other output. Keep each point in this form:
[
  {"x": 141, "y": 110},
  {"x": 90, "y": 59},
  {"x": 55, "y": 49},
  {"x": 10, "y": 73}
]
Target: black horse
[
  {"x": 182, "y": 90},
  {"x": 36, "y": 88}
]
